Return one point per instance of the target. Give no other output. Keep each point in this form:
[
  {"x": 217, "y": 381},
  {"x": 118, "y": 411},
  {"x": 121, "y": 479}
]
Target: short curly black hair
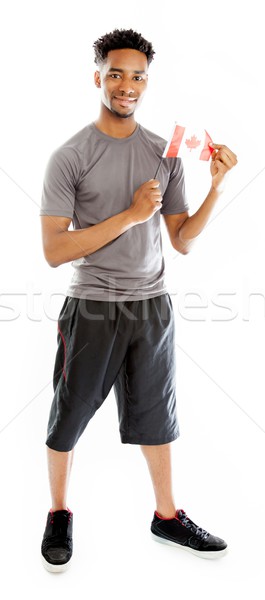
[{"x": 122, "y": 38}]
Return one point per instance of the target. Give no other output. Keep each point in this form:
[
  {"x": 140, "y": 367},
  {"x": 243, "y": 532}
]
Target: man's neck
[{"x": 115, "y": 126}]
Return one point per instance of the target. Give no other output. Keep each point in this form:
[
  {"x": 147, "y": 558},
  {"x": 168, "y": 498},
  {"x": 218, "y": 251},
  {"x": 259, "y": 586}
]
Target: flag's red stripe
[
  {"x": 175, "y": 141},
  {"x": 206, "y": 151}
]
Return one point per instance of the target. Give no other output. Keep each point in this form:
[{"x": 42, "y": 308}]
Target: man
[{"x": 116, "y": 325}]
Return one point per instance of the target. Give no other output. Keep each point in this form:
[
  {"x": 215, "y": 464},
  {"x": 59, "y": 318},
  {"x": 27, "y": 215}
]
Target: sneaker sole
[
  {"x": 208, "y": 555},
  {"x": 55, "y": 568}
]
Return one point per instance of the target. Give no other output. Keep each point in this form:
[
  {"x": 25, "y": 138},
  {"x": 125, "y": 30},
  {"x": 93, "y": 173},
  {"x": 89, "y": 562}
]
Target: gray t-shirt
[{"x": 92, "y": 177}]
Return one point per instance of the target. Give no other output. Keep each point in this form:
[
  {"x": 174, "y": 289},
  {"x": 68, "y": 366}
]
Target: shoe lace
[
  {"x": 59, "y": 533},
  {"x": 61, "y": 520},
  {"x": 202, "y": 533}
]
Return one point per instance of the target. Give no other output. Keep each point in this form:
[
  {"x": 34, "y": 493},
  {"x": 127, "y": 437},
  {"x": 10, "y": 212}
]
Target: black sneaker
[
  {"x": 57, "y": 543},
  {"x": 182, "y": 532}
]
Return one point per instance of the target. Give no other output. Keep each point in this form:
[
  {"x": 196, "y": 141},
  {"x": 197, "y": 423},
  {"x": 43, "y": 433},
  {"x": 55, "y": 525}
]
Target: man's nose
[{"x": 126, "y": 86}]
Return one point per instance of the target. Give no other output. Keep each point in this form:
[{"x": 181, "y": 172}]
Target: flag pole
[{"x": 158, "y": 166}]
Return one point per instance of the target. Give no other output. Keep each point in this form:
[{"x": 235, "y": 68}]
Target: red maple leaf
[{"x": 192, "y": 142}]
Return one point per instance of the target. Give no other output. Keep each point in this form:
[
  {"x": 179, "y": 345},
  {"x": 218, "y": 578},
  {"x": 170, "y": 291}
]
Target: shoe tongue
[
  {"x": 59, "y": 514},
  {"x": 62, "y": 511},
  {"x": 180, "y": 514}
]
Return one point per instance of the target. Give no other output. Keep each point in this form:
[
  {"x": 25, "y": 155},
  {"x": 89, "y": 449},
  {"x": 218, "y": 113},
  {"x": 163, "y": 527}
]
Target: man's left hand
[{"x": 222, "y": 160}]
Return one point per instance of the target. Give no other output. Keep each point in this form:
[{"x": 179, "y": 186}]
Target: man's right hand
[
  {"x": 147, "y": 200},
  {"x": 61, "y": 245}
]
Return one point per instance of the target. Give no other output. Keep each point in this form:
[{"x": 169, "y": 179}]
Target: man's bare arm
[
  {"x": 182, "y": 228},
  {"x": 61, "y": 245}
]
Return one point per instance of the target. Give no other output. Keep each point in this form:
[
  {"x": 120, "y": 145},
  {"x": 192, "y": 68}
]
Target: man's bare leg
[
  {"x": 59, "y": 469},
  {"x": 159, "y": 463}
]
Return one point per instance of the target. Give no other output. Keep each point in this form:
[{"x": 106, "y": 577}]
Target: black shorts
[{"x": 126, "y": 344}]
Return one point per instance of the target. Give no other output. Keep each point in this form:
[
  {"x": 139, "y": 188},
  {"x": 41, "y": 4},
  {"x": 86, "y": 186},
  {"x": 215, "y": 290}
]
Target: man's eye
[
  {"x": 138, "y": 78},
  {"x": 115, "y": 75}
]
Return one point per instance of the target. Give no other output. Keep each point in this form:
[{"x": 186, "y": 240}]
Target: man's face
[{"x": 123, "y": 80}]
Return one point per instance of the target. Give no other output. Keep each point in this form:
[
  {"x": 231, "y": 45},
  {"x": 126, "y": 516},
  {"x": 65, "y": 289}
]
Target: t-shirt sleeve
[
  {"x": 174, "y": 199},
  {"x": 58, "y": 193}
]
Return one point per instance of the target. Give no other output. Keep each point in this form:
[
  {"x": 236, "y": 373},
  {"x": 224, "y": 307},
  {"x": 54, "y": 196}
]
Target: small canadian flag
[{"x": 188, "y": 142}]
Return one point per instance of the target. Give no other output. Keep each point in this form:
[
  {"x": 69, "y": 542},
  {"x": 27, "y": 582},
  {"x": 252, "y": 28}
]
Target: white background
[{"x": 208, "y": 69}]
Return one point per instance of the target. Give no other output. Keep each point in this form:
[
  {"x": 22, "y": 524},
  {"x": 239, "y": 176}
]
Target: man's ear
[{"x": 97, "y": 79}]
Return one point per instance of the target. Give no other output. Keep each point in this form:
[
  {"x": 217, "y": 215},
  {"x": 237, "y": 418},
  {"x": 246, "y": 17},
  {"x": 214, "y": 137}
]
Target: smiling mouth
[{"x": 125, "y": 101}]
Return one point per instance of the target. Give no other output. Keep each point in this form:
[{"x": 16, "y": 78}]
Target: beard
[{"x": 121, "y": 115}]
